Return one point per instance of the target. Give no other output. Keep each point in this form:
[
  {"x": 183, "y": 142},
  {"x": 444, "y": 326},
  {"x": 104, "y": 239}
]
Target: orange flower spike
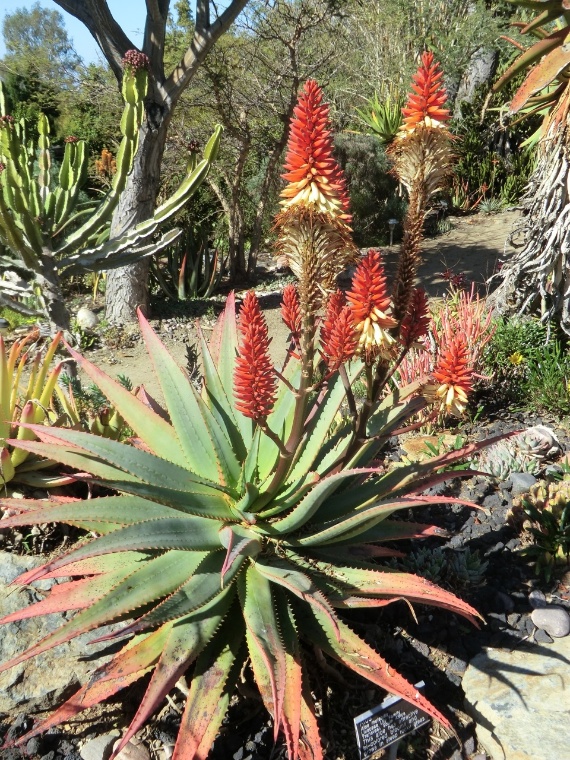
[
  {"x": 369, "y": 302},
  {"x": 416, "y": 322},
  {"x": 426, "y": 103},
  {"x": 291, "y": 310},
  {"x": 342, "y": 340},
  {"x": 454, "y": 373},
  {"x": 314, "y": 177},
  {"x": 335, "y": 304},
  {"x": 254, "y": 378}
]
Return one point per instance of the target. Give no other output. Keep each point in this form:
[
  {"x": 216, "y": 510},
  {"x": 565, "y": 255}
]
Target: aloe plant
[
  {"x": 27, "y": 385},
  {"x": 383, "y": 114},
  {"x": 44, "y": 233},
  {"x": 247, "y": 517}
]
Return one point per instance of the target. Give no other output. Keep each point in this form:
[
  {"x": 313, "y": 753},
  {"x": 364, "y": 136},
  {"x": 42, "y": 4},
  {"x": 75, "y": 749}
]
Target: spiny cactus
[
  {"x": 524, "y": 452},
  {"x": 43, "y": 231}
]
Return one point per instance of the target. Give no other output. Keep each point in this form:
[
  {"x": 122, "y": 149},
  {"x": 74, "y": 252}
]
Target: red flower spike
[
  {"x": 426, "y": 103},
  {"x": 254, "y": 378},
  {"x": 454, "y": 374},
  {"x": 416, "y": 322},
  {"x": 369, "y": 301},
  {"x": 315, "y": 179},
  {"x": 335, "y": 304},
  {"x": 341, "y": 341},
  {"x": 291, "y": 310}
]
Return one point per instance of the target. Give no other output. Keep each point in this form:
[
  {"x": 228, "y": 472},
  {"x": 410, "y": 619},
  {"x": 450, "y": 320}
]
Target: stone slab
[{"x": 520, "y": 700}]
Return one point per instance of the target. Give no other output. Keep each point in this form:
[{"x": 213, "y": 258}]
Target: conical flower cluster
[
  {"x": 291, "y": 311},
  {"x": 454, "y": 374},
  {"x": 416, "y": 322},
  {"x": 369, "y": 302},
  {"x": 313, "y": 233},
  {"x": 254, "y": 378},
  {"x": 339, "y": 338},
  {"x": 426, "y": 102},
  {"x": 422, "y": 151},
  {"x": 314, "y": 177}
]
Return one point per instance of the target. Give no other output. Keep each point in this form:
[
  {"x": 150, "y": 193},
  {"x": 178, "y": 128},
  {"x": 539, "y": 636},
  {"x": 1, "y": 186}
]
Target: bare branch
[{"x": 97, "y": 17}]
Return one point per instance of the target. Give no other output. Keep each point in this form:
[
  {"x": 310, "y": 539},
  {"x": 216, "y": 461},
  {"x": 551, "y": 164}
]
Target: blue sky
[{"x": 130, "y": 14}]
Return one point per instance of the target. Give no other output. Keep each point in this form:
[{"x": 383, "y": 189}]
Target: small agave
[{"x": 247, "y": 516}]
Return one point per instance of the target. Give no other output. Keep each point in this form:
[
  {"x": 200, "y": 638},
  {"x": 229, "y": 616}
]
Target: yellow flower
[{"x": 516, "y": 358}]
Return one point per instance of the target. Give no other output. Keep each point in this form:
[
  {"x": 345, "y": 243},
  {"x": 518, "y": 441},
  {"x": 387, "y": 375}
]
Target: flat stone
[
  {"x": 43, "y": 681},
  {"x": 554, "y": 620},
  {"x": 133, "y": 750},
  {"x": 537, "y": 599},
  {"x": 520, "y": 700},
  {"x": 99, "y": 748},
  {"x": 521, "y": 481}
]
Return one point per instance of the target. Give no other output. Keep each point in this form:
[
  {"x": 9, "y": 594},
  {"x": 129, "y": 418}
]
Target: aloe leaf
[
  {"x": 264, "y": 642},
  {"x": 154, "y": 580},
  {"x": 186, "y": 639},
  {"x": 355, "y": 654},
  {"x": 156, "y": 432},
  {"x": 215, "y": 673},
  {"x": 215, "y": 396},
  {"x": 310, "y": 746},
  {"x": 303, "y": 512},
  {"x": 541, "y": 76},
  {"x": 193, "y": 534},
  {"x": 291, "y": 495},
  {"x": 134, "y": 660},
  {"x": 534, "y": 53},
  {"x": 293, "y": 676},
  {"x": 121, "y": 510},
  {"x": 285, "y": 574},
  {"x": 387, "y": 530},
  {"x": 239, "y": 542},
  {"x": 198, "y": 590},
  {"x": 190, "y": 417},
  {"x": 357, "y": 523},
  {"x": 354, "y": 581}
]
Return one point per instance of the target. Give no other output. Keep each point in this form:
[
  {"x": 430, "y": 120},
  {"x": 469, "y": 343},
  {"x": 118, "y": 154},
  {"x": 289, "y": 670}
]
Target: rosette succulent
[{"x": 246, "y": 517}]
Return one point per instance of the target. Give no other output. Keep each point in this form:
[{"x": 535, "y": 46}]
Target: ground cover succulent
[{"x": 248, "y": 514}]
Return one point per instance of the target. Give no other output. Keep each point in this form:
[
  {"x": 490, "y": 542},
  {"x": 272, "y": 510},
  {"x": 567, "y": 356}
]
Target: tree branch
[
  {"x": 97, "y": 17},
  {"x": 204, "y": 39}
]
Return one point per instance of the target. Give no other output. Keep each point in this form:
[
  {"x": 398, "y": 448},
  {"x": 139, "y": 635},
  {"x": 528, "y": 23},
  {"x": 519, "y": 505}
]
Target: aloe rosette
[
  {"x": 247, "y": 517},
  {"x": 209, "y": 563}
]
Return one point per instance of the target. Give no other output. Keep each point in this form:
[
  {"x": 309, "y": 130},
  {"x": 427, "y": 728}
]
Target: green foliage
[
  {"x": 491, "y": 206},
  {"x": 373, "y": 191},
  {"x": 547, "y": 507},
  {"x": 383, "y": 114},
  {"x": 547, "y": 383},
  {"x": 459, "y": 569},
  {"x": 490, "y": 164}
]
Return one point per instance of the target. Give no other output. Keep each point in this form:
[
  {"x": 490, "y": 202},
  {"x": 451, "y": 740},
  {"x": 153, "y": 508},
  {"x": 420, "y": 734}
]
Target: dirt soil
[{"x": 474, "y": 247}]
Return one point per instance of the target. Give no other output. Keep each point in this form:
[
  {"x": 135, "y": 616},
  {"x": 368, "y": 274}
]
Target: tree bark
[
  {"x": 481, "y": 70},
  {"x": 54, "y": 303},
  {"x": 127, "y": 287}
]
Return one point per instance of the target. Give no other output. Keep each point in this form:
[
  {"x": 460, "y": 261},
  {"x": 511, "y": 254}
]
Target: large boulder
[{"x": 40, "y": 683}]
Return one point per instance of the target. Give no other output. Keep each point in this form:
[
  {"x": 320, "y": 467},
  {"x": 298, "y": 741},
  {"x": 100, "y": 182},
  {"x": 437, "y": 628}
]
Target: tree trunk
[
  {"x": 49, "y": 284},
  {"x": 537, "y": 277},
  {"x": 481, "y": 70},
  {"x": 127, "y": 287}
]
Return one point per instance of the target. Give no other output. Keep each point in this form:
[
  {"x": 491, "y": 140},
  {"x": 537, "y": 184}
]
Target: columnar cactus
[{"x": 45, "y": 234}]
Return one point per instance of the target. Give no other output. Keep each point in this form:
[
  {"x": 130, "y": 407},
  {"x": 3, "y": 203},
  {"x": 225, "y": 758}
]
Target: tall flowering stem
[{"x": 422, "y": 158}]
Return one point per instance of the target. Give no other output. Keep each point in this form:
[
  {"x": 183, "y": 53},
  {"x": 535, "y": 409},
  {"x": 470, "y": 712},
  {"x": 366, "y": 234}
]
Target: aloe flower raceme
[
  {"x": 454, "y": 374},
  {"x": 422, "y": 160},
  {"x": 314, "y": 236},
  {"x": 242, "y": 520}
]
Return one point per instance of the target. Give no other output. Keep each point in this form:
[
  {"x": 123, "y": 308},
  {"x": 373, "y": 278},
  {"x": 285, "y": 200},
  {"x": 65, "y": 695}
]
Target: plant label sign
[{"x": 387, "y": 723}]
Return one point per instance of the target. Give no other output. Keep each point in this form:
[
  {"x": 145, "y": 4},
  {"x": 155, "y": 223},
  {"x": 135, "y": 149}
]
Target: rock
[
  {"x": 554, "y": 620},
  {"x": 41, "y": 682},
  {"x": 100, "y": 747},
  {"x": 520, "y": 700},
  {"x": 536, "y": 599},
  {"x": 541, "y": 637},
  {"x": 133, "y": 750},
  {"x": 86, "y": 318},
  {"x": 521, "y": 481}
]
